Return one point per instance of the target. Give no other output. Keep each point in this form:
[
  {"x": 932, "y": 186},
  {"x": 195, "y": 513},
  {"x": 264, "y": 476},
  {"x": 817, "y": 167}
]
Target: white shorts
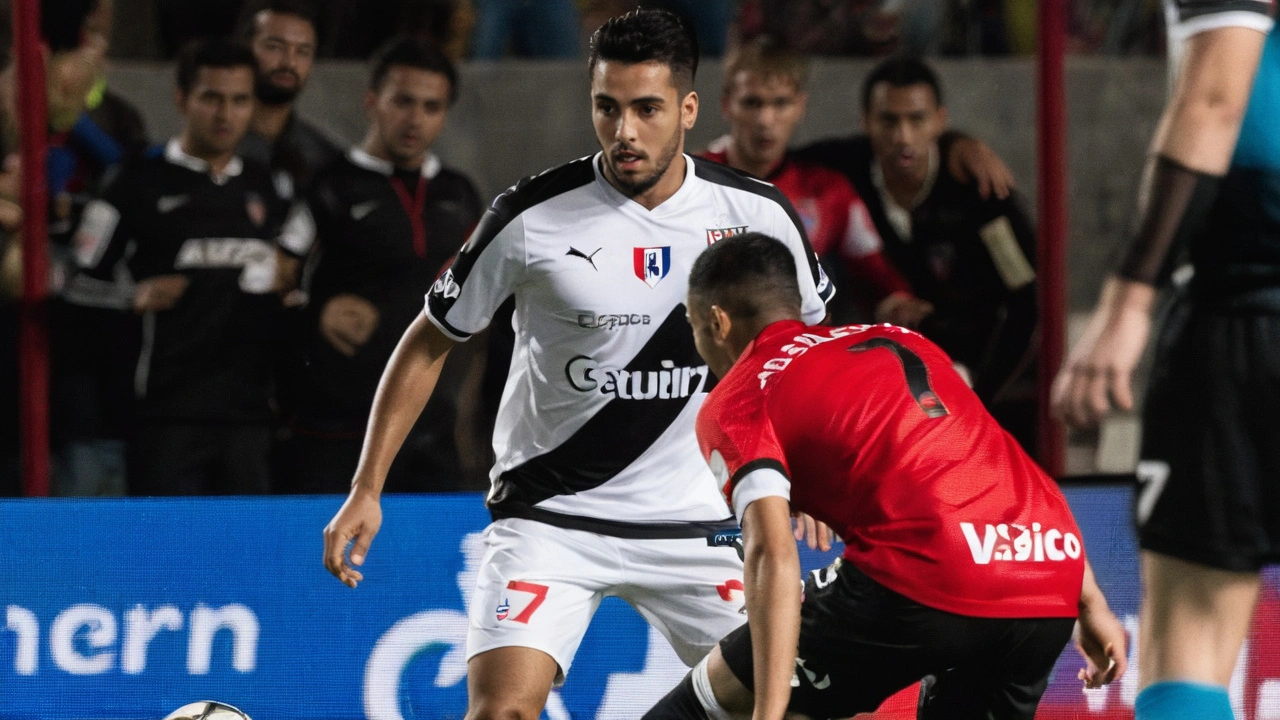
[{"x": 539, "y": 585}]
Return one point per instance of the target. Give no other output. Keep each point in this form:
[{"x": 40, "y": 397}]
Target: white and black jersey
[
  {"x": 207, "y": 359},
  {"x": 596, "y": 425},
  {"x": 1185, "y": 18}
]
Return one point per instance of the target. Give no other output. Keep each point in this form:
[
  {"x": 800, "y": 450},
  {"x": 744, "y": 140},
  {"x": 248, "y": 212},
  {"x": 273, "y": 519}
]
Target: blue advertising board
[{"x": 131, "y": 608}]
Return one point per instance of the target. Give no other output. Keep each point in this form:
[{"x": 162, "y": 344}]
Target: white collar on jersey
[
  {"x": 671, "y": 204},
  {"x": 430, "y": 166},
  {"x": 174, "y": 153}
]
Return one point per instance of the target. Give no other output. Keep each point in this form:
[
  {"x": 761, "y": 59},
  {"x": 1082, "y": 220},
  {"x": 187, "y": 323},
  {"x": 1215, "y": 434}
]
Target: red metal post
[
  {"x": 33, "y": 332},
  {"x": 1052, "y": 142}
]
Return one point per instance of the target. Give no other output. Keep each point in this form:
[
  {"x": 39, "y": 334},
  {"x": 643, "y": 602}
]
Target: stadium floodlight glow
[{"x": 207, "y": 710}]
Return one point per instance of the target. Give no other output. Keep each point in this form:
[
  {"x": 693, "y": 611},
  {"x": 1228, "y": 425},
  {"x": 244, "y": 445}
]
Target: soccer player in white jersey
[{"x": 599, "y": 488}]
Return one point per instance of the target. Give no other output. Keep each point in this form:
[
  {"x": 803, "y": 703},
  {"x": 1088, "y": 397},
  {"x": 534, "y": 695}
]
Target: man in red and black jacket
[{"x": 377, "y": 227}]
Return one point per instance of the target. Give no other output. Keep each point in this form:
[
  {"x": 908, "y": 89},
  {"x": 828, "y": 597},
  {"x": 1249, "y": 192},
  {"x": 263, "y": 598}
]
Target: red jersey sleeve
[{"x": 738, "y": 440}]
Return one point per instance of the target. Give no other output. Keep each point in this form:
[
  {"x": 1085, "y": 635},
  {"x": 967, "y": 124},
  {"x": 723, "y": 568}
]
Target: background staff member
[
  {"x": 972, "y": 257},
  {"x": 282, "y": 35},
  {"x": 195, "y": 223},
  {"x": 379, "y": 225}
]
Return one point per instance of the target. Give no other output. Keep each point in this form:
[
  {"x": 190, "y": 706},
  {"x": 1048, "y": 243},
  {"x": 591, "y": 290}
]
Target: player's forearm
[
  {"x": 771, "y": 569},
  {"x": 406, "y": 386},
  {"x": 1091, "y": 597}
]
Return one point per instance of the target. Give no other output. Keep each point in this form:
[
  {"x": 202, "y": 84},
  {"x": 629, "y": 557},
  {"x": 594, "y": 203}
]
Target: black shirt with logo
[
  {"x": 973, "y": 258},
  {"x": 208, "y": 358},
  {"x": 360, "y": 240}
]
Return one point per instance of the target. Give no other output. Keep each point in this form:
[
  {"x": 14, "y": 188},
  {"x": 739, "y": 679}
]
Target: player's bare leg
[
  {"x": 509, "y": 683},
  {"x": 1193, "y": 622}
]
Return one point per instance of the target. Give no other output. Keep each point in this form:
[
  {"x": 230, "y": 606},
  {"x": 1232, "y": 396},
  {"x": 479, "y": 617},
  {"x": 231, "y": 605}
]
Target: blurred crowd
[{"x": 223, "y": 301}]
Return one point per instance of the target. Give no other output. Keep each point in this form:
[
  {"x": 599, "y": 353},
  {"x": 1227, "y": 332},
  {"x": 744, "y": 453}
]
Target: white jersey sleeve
[
  {"x": 484, "y": 273},
  {"x": 816, "y": 289},
  {"x": 1188, "y": 17}
]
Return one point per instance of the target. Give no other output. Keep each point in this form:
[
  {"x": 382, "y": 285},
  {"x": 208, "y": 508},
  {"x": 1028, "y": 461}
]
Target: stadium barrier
[{"x": 129, "y": 608}]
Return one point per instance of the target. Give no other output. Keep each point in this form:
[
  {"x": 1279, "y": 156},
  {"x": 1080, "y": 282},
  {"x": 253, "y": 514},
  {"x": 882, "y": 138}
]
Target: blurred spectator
[
  {"x": 356, "y": 28},
  {"x": 763, "y": 101},
  {"x": 377, "y": 228},
  {"x": 826, "y": 27},
  {"x": 93, "y": 338},
  {"x": 533, "y": 28},
  {"x": 282, "y": 35},
  {"x": 194, "y": 223},
  {"x": 181, "y": 21},
  {"x": 973, "y": 258}
]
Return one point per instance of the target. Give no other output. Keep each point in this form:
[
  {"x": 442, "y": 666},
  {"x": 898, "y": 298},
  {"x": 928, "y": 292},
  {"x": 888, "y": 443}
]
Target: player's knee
[{"x": 1181, "y": 700}]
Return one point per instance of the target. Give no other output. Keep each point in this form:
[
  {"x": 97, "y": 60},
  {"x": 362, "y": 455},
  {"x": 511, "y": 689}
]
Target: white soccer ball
[{"x": 206, "y": 710}]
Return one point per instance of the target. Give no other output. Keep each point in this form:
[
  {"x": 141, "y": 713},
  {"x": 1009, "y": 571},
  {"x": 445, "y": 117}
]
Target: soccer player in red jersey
[{"x": 962, "y": 560}]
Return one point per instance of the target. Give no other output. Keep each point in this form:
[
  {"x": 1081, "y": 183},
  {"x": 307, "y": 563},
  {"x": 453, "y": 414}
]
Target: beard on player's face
[{"x": 632, "y": 187}]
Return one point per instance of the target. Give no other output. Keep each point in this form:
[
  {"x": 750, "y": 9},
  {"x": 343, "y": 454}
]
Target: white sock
[{"x": 702, "y": 688}]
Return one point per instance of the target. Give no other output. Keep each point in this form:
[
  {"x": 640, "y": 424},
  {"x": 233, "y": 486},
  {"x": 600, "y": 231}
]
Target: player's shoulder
[
  {"x": 1188, "y": 17},
  {"x": 742, "y": 188},
  {"x": 550, "y": 183}
]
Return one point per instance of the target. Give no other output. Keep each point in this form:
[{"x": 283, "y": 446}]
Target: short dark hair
[
  {"x": 901, "y": 71},
  {"x": 211, "y": 53},
  {"x": 648, "y": 35},
  {"x": 414, "y": 52},
  {"x": 246, "y": 23},
  {"x": 745, "y": 275}
]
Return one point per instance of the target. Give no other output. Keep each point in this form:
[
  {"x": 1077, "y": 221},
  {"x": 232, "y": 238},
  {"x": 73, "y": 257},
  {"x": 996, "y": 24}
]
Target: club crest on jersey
[
  {"x": 652, "y": 264},
  {"x": 256, "y": 208},
  {"x": 715, "y": 235}
]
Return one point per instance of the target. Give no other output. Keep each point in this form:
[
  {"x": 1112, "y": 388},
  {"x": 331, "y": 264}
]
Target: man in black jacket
[
  {"x": 194, "y": 223},
  {"x": 972, "y": 257},
  {"x": 377, "y": 228}
]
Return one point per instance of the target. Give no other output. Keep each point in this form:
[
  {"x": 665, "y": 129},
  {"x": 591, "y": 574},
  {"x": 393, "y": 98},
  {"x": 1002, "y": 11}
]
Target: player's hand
[
  {"x": 347, "y": 321},
  {"x": 903, "y": 310},
  {"x": 1101, "y": 641},
  {"x": 1098, "y": 372},
  {"x": 159, "y": 293},
  {"x": 357, "y": 522},
  {"x": 816, "y": 534},
  {"x": 971, "y": 160}
]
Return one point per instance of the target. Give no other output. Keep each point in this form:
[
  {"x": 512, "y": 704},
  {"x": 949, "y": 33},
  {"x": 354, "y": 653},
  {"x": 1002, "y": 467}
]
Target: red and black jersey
[
  {"x": 883, "y": 441},
  {"x": 835, "y": 219}
]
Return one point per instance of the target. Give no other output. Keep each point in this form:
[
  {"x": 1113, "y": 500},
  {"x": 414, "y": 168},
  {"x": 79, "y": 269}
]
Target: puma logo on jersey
[
  {"x": 575, "y": 252},
  {"x": 361, "y": 210},
  {"x": 667, "y": 383},
  {"x": 1030, "y": 545},
  {"x": 169, "y": 203}
]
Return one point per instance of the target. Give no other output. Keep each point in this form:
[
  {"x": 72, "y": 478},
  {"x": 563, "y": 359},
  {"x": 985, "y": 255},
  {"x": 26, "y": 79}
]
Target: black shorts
[
  {"x": 1209, "y": 478},
  {"x": 861, "y": 642}
]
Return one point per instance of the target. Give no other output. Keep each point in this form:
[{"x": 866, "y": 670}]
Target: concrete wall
[{"x": 518, "y": 118}]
